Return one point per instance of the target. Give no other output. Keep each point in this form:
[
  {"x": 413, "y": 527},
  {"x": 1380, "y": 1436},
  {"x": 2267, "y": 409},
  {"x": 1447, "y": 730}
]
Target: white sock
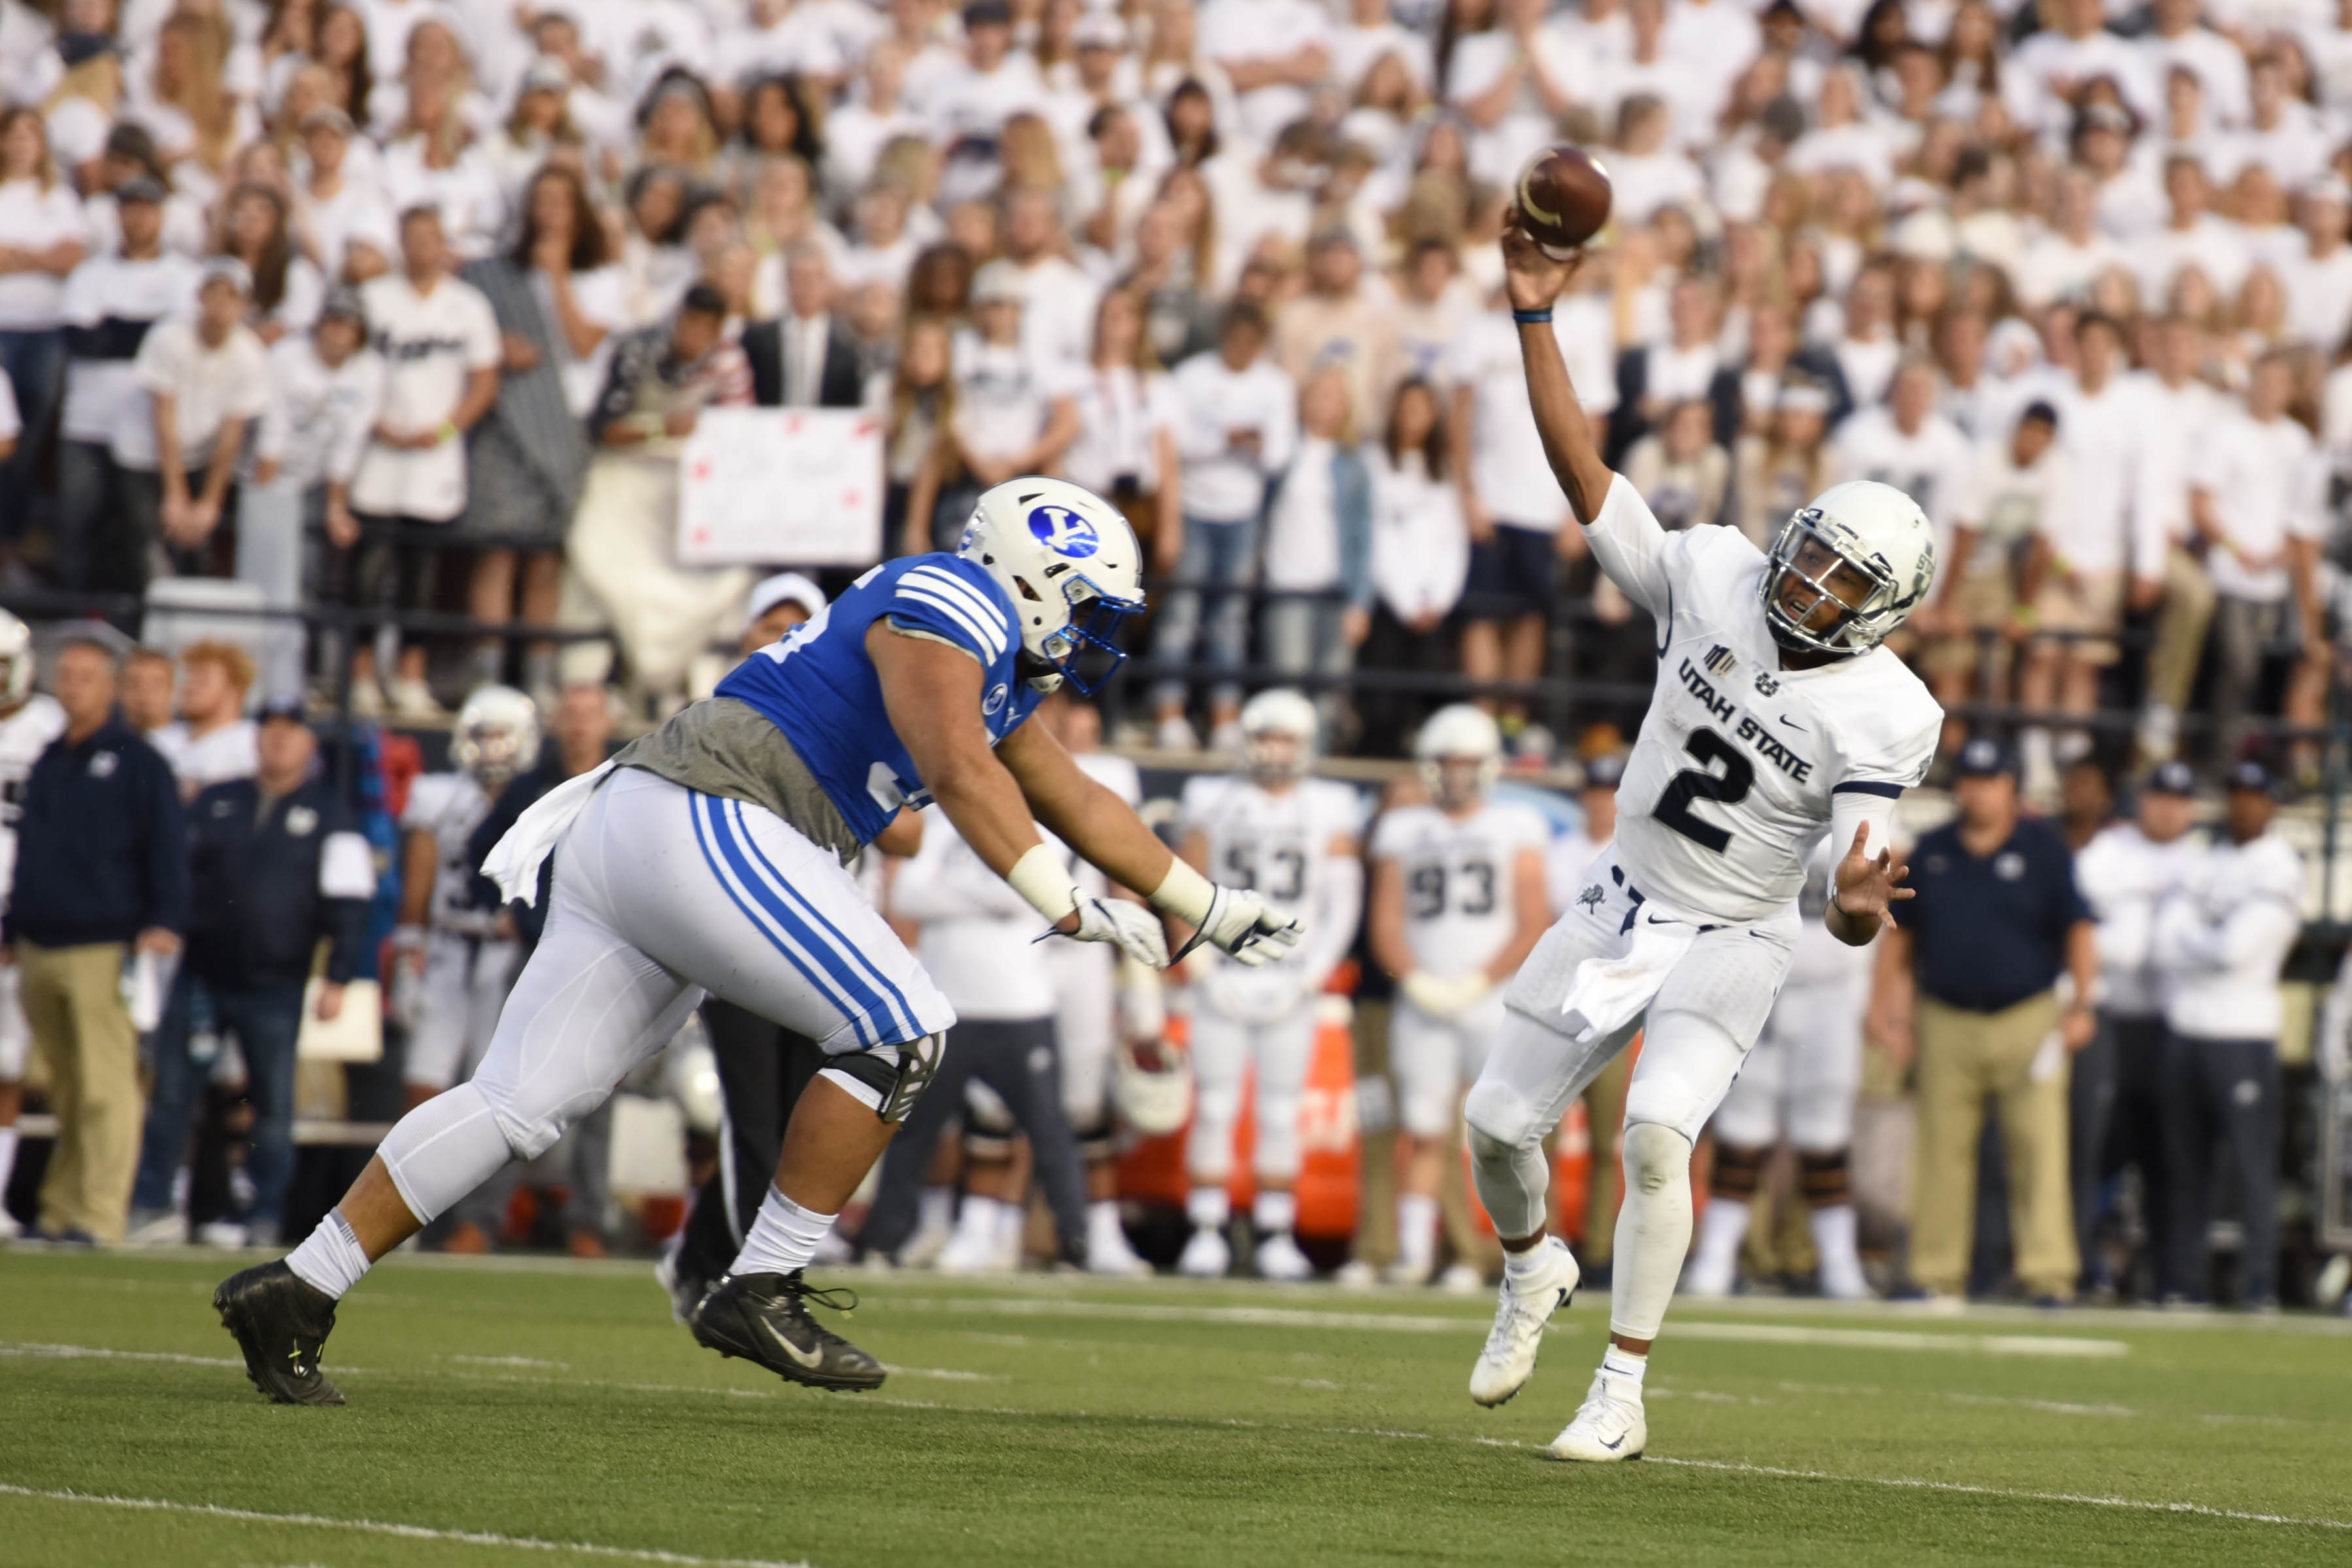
[
  {"x": 1011, "y": 1220},
  {"x": 784, "y": 1237},
  {"x": 331, "y": 1259},
  {"x": 1624, "y": 1366},
  {"x": 1841, "y": 1260},
  {"x": 1720, "y": 1232},
  {"x": 1103, "y": 1221},
  {"x": 8, "y": 1155},
  {"x": 935, "y": 1210},
  {"x": 1208, "y": 1207},
  {"x": 1274, "y": 1213},
  {"x": 1416, "y": 1231},
  {"x": 977, "y": 1218},
  {"x": 1519, "y": 1265}
]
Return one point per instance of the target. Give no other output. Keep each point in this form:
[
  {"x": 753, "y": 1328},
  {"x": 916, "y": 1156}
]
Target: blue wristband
[{"x": 1532, "y": 318}]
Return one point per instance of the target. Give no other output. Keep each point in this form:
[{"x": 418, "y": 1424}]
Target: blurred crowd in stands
[{"x": 407, "y": 305}]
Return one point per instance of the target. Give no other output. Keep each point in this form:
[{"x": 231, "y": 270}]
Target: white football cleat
[
  {"x": 1461, "y": 1280},
  {"x": 1522, "y": 1306},
  {"x": 1206, "y": 1257},
  {"x": 1108, "y": 1253},
  {"x": 1279, "y": 1258},
  {"x": 1609, "y": 1426}
]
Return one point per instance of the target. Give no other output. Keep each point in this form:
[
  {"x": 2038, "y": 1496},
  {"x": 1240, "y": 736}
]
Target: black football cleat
[
  {"x": 764, "y": 1318},
  {"x": 281, "y": 1324}
]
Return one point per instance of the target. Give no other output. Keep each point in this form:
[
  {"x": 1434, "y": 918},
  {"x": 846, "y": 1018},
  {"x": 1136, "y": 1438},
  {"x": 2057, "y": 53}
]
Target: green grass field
[{"x": 513, "y": 1412}]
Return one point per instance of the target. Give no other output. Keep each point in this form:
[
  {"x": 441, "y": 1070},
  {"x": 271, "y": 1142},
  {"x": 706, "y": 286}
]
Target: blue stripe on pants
[{"x": 841, "y": 990}]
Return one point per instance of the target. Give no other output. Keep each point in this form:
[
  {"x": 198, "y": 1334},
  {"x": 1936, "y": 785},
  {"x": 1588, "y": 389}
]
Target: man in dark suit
[{"x": 807, "y": 358}]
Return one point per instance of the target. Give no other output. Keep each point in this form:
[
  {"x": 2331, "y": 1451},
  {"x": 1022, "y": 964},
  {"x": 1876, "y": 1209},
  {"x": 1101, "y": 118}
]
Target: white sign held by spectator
[{"x": 790, "y": 485}]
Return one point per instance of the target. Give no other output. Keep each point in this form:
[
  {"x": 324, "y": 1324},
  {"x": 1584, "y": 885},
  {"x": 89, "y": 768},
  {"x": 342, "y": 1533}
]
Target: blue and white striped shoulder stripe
[{"x": 963, "y": 603}]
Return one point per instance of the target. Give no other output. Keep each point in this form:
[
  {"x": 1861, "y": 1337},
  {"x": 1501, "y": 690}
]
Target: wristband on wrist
[
  {"x": 1184, "y": 893},
  {"x": 1040, "y": 877},
  {"x": 1532, "y": 318},
  {"x": 449, "y": 429}
]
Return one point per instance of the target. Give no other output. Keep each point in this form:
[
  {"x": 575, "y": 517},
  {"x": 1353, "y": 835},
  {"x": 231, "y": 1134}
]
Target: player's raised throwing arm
[{"x": 1626, "y": 540}]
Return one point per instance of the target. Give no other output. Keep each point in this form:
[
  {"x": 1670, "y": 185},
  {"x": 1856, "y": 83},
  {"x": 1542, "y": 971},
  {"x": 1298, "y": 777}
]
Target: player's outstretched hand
[
  {"x": 1135, "y": 929},
  {"x": 1239, "y": 924},
  {"x": 1531, "y": 276},
  {"x": 1869, "y": 886}
]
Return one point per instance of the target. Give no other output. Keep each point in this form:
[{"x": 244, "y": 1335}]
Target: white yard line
[
  {"x": 403, "y": 1532},
  {"x": 1903, "y": 1340},
  {"x": 1247, "y": 1317}
]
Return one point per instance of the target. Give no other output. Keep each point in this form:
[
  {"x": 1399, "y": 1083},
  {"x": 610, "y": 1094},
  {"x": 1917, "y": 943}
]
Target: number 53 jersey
[
  {"x": 1278, "y": 843},
  {"x": 1733, "y": 776}
]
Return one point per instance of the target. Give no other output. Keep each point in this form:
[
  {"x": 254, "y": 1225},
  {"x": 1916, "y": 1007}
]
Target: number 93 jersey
[
  {"x": 1458, "y": 879},
  {"x": 1730, "y": 783},
  {"x": 1278, "y": 844}
]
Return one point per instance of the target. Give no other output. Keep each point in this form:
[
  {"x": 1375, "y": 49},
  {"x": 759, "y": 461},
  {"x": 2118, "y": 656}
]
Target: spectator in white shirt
[
  {"x": 1127, "y": 415},
  {"x": 441, "y": 348},
  {"x": 2219, "y": 941},
  {"x": 1421, "y": 555},
  {"x": 2065, "y": 257},
  {"x": 2319, "y": 276},
  {"x": 2192, "y": 235},
  {"x": 43, "y": 238},
  {"x": 1240, "y": 425},
  {"x": 1013, "y": 413},
  {"x": 175, "y": 450},
  {"x": 325, "y": 388},
  {"x": 2256, "y": 493},
  {"x": 212, "y": 741},
  {"x": 285, "y": 287},
  {"x": 1319, "y": 541},
  {"x": 1057, "y": 310},
  {"x": 1273, "y": 52},
  {"x": 2016, "y": 488},
  {"x": 110, "y": 303}
]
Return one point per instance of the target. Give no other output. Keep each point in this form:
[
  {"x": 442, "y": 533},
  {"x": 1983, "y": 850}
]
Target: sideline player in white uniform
[
  {"x": 1294, "y": 838},
  {"x": 1798, "y": 1082},
  {"x": 29, "y": 720},
  {"x": 1458, "y": 902},
  {"x": 1091, "y": 1002},
  {"x": 452, "y": 967},
  {"x": 712, "y": 855},
  {"x": 1779, "y": 716}
]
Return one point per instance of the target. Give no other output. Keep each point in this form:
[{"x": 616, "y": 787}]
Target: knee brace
[
  {"x": 1738, "y": 1170},
  {"x": 1094, "y": 1134},
  {"x": 449, "y": 1145},
  {"x": 1825, "y": 1179},
  {"x": 1502, "y": 1117},
  {"x": 889, "y": 1079}
]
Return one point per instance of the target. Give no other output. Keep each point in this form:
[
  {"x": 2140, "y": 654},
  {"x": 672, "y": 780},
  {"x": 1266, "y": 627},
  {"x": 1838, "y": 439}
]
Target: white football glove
[
  {"x": 1239, "y": 925},
  {"x": 1443, "y": 995},
  {"x": 1135, "y": 930},
  {"x": 407, "y": 978}
]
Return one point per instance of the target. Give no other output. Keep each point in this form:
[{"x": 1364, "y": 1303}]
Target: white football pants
[
  {"x": 459, "y": 996},
  {"x": 661, "y": 894},
  {"x": 1803, "y": 1074},
  {"x": 1223, "y": 1048},
  {"x": 1431, "y": 1059}
]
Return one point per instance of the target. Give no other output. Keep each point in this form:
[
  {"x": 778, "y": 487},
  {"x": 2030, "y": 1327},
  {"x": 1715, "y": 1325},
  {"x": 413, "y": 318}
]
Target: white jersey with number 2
[{"x": 1742, "y": 766}]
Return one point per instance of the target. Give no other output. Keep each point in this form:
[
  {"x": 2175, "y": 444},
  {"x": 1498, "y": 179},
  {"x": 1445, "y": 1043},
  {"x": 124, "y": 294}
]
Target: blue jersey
[{"x": 819, "y": 686}]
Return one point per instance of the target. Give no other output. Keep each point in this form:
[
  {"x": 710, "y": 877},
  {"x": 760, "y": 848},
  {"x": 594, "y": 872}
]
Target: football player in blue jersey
[{"x": 710, "y": 856}]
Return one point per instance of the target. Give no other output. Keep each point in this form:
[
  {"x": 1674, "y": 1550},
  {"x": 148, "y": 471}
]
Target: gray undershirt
[{"x": 727, "y": 748}]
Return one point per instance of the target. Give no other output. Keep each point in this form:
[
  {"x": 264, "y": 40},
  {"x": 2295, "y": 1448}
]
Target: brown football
[{"x": 1563, "y": 198}]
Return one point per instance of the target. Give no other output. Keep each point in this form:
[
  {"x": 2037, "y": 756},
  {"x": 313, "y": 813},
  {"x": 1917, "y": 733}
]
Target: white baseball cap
[{"x": 784, "y": 587}]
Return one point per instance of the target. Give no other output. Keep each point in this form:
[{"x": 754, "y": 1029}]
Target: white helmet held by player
[
  {"x": 1151, "y": 1084},
  {"x": 1279, "y": 730},
  {"x": 1072, "y": 566},
  {"x": 1880, "y": 537},
  {"x": 497, "y": 735},
  {"x": 15, "y": 662},
  {"x": 1460, "y": 733}
]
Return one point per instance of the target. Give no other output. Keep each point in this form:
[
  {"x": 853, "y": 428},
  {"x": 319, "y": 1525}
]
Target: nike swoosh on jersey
[{"x": 1792, "y": 723}]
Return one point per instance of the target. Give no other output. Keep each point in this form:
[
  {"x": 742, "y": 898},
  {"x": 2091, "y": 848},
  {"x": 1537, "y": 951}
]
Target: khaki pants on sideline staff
[
  {"x": 81, "y": 1031},
  {"x": 1963, "y": 1058}
]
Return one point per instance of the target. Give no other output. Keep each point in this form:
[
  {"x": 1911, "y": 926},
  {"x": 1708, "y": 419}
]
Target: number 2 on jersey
[{"x": 1703, "y": 783}]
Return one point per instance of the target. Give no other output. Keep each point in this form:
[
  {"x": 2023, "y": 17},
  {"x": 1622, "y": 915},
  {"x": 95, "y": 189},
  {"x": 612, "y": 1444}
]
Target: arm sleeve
[
  {"x": 167, "y": 850},
  {"x": 1850, "y": 808},
  {"x": 1630, "y": 547}
]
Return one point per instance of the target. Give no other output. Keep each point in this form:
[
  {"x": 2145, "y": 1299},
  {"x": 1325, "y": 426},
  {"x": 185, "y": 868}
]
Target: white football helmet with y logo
[
  {"x": 497, "y": 735},
  {"x": 1073, "y": 569},
  {"x": 1876, "y": 531}
]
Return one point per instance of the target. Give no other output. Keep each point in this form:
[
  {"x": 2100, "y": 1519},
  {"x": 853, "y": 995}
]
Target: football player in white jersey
[
  {"x": 1779, "y": 716},
  {"x": 1459, "y": 902},
  {"x": 1800, "y": 1082},
  {"x": 29, "y": 720},
  {"x": 452, "y": 966},
  {"x": 1095, "y": 984},
  {"x": 1293, "y": 837}
]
